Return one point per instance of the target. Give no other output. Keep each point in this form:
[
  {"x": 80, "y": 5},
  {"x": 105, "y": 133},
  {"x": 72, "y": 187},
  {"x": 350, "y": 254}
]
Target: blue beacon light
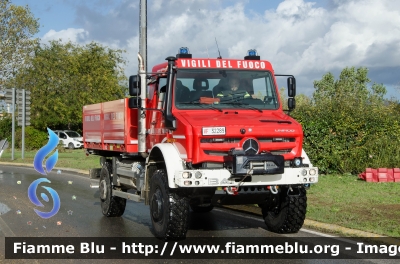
[
  {"x": 184, "y": 50},
  {"x": 252, "y": 52}
]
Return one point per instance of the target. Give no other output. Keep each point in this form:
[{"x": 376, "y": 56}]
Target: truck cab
[{"x": 199, "y": 133}]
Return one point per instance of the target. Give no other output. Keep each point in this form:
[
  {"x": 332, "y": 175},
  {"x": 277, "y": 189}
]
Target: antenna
[{"x": 218, "y": 49}]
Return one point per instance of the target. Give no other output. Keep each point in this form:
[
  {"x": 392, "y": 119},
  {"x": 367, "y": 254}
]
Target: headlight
[
  {"x": 313, "y": 172},
  {"x": 186, "y": 175},
  {"x": 304, "y": 172}
]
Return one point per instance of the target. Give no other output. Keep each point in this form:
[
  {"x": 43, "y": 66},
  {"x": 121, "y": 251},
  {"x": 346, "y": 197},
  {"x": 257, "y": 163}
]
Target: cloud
[
  {"x": 298, "y": 36},
  {"x": 77, "y": 35}
]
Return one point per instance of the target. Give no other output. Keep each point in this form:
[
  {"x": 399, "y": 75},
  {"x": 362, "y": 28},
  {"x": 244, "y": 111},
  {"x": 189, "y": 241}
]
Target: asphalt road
[{"x": 80, "y": 216}]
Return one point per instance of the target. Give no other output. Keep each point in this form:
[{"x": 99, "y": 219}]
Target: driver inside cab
[{"x": 233, "y": 89}]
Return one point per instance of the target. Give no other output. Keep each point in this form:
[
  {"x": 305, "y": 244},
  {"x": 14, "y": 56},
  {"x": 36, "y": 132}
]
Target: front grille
[
  {"x": 220, "y": 140},
  {"x": 264, "y": 143},
  {"x": 280, "y": 152},
  {"x": 237, "y": 140},
  {"x": 225, "y": 153},
  {"x": 216, "y": 153}
]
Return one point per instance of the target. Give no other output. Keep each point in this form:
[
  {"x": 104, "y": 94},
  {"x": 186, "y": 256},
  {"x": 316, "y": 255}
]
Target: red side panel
[
  {"x": 114, "y": 129},
  {"x": 110, "y": 126},
  {"x": 92, "y": 124}
]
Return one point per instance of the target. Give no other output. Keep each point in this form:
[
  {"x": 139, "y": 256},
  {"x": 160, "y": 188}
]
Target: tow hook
[
  {"x": 231, "y": 190},
  {"x": 273, "y": 189}
]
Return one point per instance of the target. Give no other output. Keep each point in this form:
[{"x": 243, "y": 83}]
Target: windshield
[
  {"x": 230, "y": 89},
  {"x": 72, "y": 134}
]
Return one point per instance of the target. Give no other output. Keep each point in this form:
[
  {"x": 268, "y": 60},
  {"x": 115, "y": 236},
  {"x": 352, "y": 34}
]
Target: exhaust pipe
[{"x": 142, "y": 112}]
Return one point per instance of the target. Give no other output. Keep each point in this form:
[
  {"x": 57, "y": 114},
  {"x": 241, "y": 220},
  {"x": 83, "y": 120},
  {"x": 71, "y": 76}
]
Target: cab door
[{"x": 157, "y": 131}]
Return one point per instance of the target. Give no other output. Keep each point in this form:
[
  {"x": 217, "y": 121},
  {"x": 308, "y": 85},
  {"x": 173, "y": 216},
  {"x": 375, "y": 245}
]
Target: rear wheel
[
  {"x": 203, "y": 208},
  {"x": 110, "y": 205},
  {"x": 168, "y": 210},
  {"x": 284, "y": 213}
]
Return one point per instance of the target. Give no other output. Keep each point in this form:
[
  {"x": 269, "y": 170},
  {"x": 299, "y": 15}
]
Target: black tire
[
  {"x": 169, "y": 211},
  {"x": 71, "y": 146},
  {"x": 111, "y": 206},
  {"x": 202, "y": 208},
  {"x": 287, "y": 214}
]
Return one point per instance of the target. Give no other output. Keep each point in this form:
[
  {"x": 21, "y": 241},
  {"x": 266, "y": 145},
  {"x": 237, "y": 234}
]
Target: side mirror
[
  {"x": 134, "y": 85},
  {"x": 291, "y": 83},
  {"x": 291, "y": 102},
  {"x": 135, "y": 102}
]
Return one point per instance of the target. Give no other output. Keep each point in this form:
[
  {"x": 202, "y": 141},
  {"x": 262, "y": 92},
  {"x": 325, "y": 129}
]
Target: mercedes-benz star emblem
[{"x": 250, "y": 146}]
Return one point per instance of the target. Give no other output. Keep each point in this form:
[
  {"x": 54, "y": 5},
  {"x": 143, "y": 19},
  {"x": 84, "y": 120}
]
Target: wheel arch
[{"x": 165, "y": 156}]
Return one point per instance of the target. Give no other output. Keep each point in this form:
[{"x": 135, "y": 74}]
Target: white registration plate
[{"x": 207, "y": 131}]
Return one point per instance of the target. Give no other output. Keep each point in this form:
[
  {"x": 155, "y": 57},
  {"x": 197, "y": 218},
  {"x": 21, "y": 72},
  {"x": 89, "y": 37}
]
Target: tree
[
  {"x": 63, "y": 78},
  {"x": 302, "y": 100},
  {"x": 17, "y": 27},
  {"x": 5, "y": 126},
  {"x": 349, "y": 126}
]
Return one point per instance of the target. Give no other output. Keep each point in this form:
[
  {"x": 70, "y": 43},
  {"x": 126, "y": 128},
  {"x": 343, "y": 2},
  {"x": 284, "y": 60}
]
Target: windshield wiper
[
  {"x": 242, "y": 104},
  {"x": 197, "y": 102}
]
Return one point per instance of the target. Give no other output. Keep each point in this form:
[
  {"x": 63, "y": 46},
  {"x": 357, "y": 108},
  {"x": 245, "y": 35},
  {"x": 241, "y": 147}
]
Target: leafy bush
[
  {"x": 348, "y": 127},
  {"x": 5, "y": 127},
  {"x": 34, "y": 139}
]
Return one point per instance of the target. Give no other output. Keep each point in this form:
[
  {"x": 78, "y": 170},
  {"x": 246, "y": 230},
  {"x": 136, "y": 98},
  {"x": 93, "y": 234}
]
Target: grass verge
[
  {"x": 346, "y": 201},
  {"x": 67, "y": 158},
  {"x": 343, "y": 200}
]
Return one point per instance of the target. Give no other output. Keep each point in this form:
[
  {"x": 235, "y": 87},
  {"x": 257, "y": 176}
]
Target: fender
[{"x": 172, "y": 159}]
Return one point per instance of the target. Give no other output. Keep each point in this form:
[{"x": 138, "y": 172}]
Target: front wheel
[
  {"x": 71, "y": 146},
  {"x": 110, "y": 205},
  {"x": 168, "y": 210},
  {"x": 285, "y": 213}
]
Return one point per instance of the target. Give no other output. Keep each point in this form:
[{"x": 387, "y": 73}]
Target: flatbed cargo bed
[{"x": 110, "y": 126}]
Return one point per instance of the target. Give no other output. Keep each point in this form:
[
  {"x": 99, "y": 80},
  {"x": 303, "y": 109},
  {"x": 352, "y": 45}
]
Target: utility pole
[
  {"x": 23, "y": 124},
  {"x": 13, "y": 124},
  {"x": 143, "y": 32}
]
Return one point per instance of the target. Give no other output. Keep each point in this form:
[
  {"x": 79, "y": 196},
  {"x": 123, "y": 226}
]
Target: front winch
[{"x": 242, "y": 164}]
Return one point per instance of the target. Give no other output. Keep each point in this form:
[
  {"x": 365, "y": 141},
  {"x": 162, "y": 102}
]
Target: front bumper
[{"x": 223, "y": 178}]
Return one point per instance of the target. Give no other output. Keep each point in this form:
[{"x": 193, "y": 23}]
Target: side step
[
  {"x": 94, "y": 183},
  {"x": 128, "y": 196}
]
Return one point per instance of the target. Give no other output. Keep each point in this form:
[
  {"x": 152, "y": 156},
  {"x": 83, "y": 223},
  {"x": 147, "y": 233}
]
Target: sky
[{"x": 301, "y": 37}]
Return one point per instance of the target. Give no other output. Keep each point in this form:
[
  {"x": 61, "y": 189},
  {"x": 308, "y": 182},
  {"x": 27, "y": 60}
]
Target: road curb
[
  {"x": 55, "y": 168},
  {"x": 324, "y": 227},
  {"x": 311, "y": 224}
]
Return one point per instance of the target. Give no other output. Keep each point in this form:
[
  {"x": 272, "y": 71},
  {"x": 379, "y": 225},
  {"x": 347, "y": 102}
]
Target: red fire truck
[{"x": 196, "y": 133}]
